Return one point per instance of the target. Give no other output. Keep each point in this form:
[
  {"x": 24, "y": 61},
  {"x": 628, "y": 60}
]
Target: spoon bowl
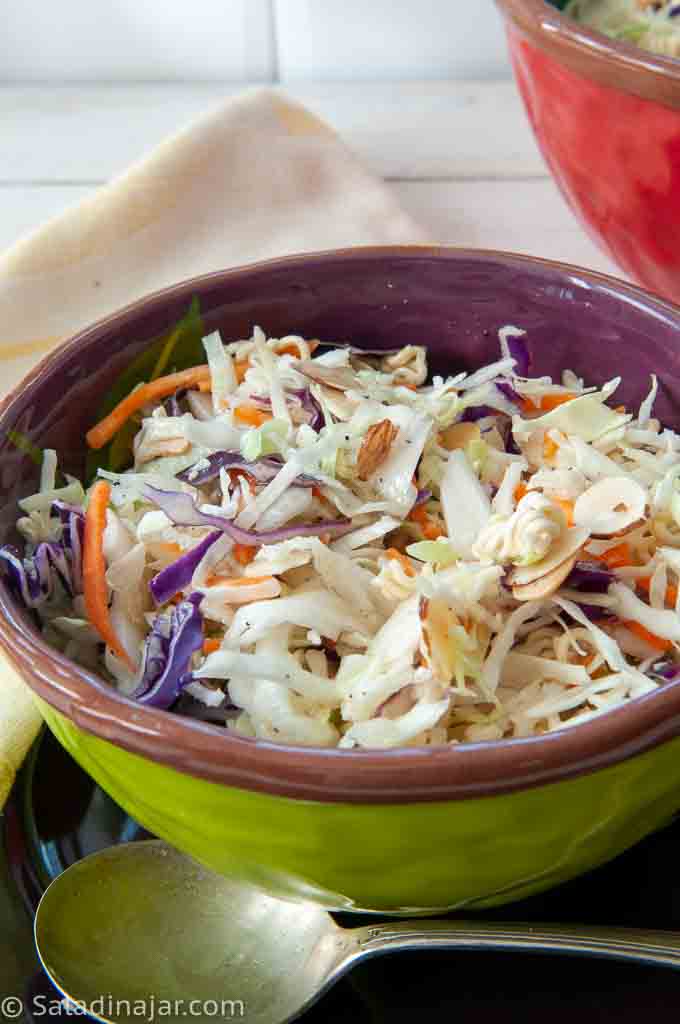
[{"x": 141, "y": 922}]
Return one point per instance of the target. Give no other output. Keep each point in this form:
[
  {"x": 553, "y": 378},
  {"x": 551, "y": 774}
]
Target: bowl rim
[
  {"x": 402, "y": 775},
  {"x": 613, "y": 62}
]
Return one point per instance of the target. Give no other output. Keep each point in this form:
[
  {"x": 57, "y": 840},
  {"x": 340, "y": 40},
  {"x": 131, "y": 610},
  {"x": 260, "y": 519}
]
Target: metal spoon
[{"x": 141, "y": 920}]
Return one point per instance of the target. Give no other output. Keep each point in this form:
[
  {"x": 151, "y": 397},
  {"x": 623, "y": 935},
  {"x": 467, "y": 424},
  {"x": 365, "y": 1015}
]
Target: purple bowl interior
[{"x": 452, "y": 301}]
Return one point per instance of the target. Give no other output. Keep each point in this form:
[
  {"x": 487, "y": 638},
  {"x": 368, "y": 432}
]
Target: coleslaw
[
  {"x": 653, "y": 25},
  {"x": 316, "y": 544}
]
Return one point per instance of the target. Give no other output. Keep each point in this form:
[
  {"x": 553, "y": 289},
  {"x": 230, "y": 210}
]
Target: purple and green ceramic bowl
[{"x": 403, "y": 831}]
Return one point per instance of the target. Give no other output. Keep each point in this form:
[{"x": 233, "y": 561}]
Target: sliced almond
[
  {"x": 375, "y": 447},
  {"x": 459, "y": 435},
  {"x": 570, "y": 543},
  {"x": 338, "y": 402},
  {"x": 611, "y": 506},
  {"x": 162, "y": 446},
  {"x": 619, "y": 533},
  {"x": 546, "y": 585},
  {"x": 532, "y": 448},
  {"x": 341, "y": 378},
  {"x": 436, "y": 648},
  {"x": 399, "y": 703}
]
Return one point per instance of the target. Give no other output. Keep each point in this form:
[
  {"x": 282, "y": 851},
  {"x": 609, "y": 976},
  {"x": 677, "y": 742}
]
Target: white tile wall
[
  {"x": 369, "y": 39},
  {"x": 255, "y": 40},
  {"x": 138, "y": 40}
]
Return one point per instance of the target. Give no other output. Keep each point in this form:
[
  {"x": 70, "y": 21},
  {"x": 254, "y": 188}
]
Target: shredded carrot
[
  {"x": 169, "y": 548},
  {"x": 550, "y": 402},
  {"x": 620, "y": 408},
  {"x": 240, "y": 369},
  {"x": 431, "y": 530},
  {"x": 546, "y": 403},
  {"x": 418, "y": 514},
  {"x": 583, "y": 659},
  {"x": 567, "y": 507},
  {"x": 290, "y": 350},
  {"x": 244, "y": 553},
  {"x": 405, "y": 384},
  {"x": 616, "y": 557},
  {"x": 205, "y": 386},
  {"x": 151, "y": 392},
  {"x": 671, "y": 592},
  {"x": 519, "y": 492},
  {"x": 95, "y": 590},
  {"x": 392, "y": 553},
  {"x": 211, "y": 644},
  {"x": 237, "y": 581},
  {"x": 251, "y": 416},
  {"x": 644, "y": 634},
  {"x": 550, "y": 448},
  {"x": 236, "y": 473},
  {"x": 293, "y": 349},
  {"x": 316, "y": 493}
]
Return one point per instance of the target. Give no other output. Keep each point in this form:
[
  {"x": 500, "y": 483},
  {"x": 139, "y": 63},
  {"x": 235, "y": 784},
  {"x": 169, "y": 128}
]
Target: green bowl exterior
[{"x": 391, "y": 858}]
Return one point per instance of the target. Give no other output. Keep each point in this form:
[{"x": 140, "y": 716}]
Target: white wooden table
[{"x": 459, "y": 155}]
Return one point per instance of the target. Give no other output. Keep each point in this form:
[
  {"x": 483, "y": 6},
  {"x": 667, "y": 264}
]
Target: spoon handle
[{"x": 647, "y": 946}]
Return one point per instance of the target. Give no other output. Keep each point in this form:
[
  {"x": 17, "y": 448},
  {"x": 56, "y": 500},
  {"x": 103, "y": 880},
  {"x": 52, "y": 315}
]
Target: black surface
[{"x": 57, "y": 815}]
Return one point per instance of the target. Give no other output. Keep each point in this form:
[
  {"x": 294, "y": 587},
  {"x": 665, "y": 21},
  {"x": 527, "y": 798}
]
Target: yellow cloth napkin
[{"x": 258, "y": 177}]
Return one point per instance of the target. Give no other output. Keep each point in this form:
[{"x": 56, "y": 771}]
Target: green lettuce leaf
[
  {"x": 21, "y": 442},
  {"x": 35, "y": 454}
]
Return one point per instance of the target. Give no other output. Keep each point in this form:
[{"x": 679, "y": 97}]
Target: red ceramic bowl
[{"x": 606, "y": 115}]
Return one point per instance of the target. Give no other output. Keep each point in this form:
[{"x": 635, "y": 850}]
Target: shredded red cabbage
[
  {"x": 511, "y": 446},
  {"x": 667, "y": 671},
  {"x": 519, "y": 350},
  {"x": 35, "y": 577},
  {"x": 595, "y": 612},
  {"x": 590, "y": 578},
  {"x": 167, "y": 653},
  {"x": 190, "y": 707},
  {"x": 263, "y": 469},
  {"x": 21, "y": 576},
  {"x": 183, "y": 511},
  {"x": 477, "y": 412},
  {"x": 176, "y": 577},
  {"x": 306, "y": 400},
  {"x": 171, "y": 404},
  {"x": 507, "y": 390},
  {"x": 310, "y": 405},
  {"x": 72, "y": 537}
]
